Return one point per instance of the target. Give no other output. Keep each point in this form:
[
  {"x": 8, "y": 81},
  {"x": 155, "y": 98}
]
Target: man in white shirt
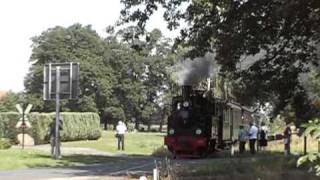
[
  {"x": 121, "y": 130},
  {"x": 253, "y": 134}
]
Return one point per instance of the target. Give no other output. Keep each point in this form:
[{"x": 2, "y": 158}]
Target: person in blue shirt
[{"x": 242, "y": 139}]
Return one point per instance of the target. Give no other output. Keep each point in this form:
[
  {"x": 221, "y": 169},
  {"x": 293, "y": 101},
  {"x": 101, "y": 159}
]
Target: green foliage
[
  {"x": 130, "y": 127},
  {"x": 5, "y": 143},
  {"x": 114, "y": 114},
  {"x": 8, "y": 121},
  {"x": 119, "y": 74},
  {"x": 76, "y": 43},
  {"x": 8, "y": 102},
  {"x": 278, "y": 125},
  {"x": 313, "y": 130},
  {"x": 265, "y": 45},
  {"x": 76, "y": 126}
]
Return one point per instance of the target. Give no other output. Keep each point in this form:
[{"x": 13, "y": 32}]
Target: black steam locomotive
[{"x": 197, "y": 125}]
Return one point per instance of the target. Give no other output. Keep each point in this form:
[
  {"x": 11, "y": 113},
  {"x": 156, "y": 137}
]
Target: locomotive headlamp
[
  {"x": 186, "y": 104},
  {"x": 171, "y": 131},
  {"x": 198, "y": 131}
]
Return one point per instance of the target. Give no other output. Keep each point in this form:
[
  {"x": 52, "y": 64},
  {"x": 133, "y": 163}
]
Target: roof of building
[{"x": 2, "y": 93}]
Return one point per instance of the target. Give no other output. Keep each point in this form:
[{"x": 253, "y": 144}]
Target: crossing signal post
[
  {"x": 61, "y": 81},
  {"x": 23, "y": 122}
]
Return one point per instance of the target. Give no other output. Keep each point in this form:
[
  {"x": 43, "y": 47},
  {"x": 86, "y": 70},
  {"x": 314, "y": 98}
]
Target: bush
[
  {"x": 76, "y": 126},
  {"x": 130, "y": 127},
  {"x": 162, "y": 152},
  {"x": 8, "y": 121},
  {"x": 5, "y": 143}
]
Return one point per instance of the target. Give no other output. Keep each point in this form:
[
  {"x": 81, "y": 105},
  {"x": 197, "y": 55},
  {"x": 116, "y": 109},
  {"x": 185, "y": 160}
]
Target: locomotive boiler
[{"x": 198, "y": 125}]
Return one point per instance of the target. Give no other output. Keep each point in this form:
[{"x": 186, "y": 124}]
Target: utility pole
[{"x": 57, "y": 133}]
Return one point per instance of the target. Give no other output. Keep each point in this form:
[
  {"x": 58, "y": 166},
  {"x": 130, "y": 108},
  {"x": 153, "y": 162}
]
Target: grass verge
[
  {"x": 27, "y": 158},
  {"x": 267, "y": 168},
  {"x": 135, "y": 143}
]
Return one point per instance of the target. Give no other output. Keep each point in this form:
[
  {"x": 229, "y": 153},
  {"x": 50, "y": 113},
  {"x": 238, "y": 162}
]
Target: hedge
[
  {"x": 8, "y": 122},
  {"x": 76, "y": 126},
  {"x": 5, "y": 143}
]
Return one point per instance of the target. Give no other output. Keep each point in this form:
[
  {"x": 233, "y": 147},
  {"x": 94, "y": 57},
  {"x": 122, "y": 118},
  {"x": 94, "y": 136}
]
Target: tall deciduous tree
[
  {"x": 281, "y": 35},
  {"x": 123, "y": 77},
  {"x": 142, "y": 72},
  {"x": 76, "y": 43}
]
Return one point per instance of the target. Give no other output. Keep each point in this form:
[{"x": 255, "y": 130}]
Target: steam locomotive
[{"x": 198, "y": 125}]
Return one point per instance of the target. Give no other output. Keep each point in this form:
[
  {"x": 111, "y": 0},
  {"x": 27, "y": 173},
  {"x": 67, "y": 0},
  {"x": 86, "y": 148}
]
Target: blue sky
[{"x": 22, "y": 19}]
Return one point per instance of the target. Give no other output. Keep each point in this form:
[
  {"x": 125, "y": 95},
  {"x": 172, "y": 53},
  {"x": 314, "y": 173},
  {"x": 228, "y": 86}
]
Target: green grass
[
  {"x": 135, "y": 143},
  {"x": 17, "y": 158},
  {"x": 297, "y": 145},
  {"x": 269, "y": 167}
]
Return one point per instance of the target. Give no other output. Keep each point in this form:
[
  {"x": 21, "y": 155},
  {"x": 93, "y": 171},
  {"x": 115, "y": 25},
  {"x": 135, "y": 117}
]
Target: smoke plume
[{"x": 191, "y": 72}]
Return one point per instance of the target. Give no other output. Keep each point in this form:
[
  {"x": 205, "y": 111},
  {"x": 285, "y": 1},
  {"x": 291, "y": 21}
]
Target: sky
[{"x": 22, "y": 19}]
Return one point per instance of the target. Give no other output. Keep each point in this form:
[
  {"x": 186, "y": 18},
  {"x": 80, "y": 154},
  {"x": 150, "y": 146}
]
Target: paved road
[{"x": 134, "y": 165}]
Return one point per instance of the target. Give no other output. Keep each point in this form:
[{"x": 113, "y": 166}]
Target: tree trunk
[
  {"x": 136, "y": 125},
  {"x": 105, "y": 125},
  {"x": 149, "y": 125}
]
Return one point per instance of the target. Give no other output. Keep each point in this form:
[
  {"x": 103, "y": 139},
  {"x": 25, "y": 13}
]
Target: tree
[
  {"x": 119, "y": 75},
  {"x": 73, "y": 44},
  {"x": 112, "y": 115},
  {"x": 141, "y": 72},
  {"x": 281, "y": 36},
  {"x": 9, "y": 100}
]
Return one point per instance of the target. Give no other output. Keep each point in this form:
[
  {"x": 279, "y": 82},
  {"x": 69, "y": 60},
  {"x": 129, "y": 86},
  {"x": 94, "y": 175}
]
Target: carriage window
[{"x": 226, "y": 116}]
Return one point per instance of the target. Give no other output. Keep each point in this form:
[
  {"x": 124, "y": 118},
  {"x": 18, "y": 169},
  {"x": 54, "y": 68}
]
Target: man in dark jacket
[{"x": 52, "y": 135}]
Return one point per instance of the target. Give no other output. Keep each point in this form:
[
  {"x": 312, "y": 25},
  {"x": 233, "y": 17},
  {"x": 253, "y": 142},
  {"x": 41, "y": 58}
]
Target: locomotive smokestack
[{"x": 186, "y": 92}]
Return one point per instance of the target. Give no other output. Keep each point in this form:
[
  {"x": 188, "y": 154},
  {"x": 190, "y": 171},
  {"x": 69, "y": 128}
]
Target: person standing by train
[
  {"x": 253, "y": 134},
  {"x": 287, "y": 139},
  {"x": 121, "y": 129},
  {"x": 263, "y": 136},
  {"x": 242, "y": 139}
]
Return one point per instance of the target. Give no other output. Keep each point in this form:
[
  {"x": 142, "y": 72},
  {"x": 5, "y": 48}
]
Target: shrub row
[
  {"x": 5, "y": 143},
  {"x": 76, "y": 126},
  {"x": 8, "y": 122}
]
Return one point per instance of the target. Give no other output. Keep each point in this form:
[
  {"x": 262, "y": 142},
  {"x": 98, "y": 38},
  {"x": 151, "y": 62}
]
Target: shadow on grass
[{"x": 93, "y": 165}]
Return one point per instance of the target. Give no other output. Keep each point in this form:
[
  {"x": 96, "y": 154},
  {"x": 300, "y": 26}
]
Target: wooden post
[{"x": 305, "y": 145}]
